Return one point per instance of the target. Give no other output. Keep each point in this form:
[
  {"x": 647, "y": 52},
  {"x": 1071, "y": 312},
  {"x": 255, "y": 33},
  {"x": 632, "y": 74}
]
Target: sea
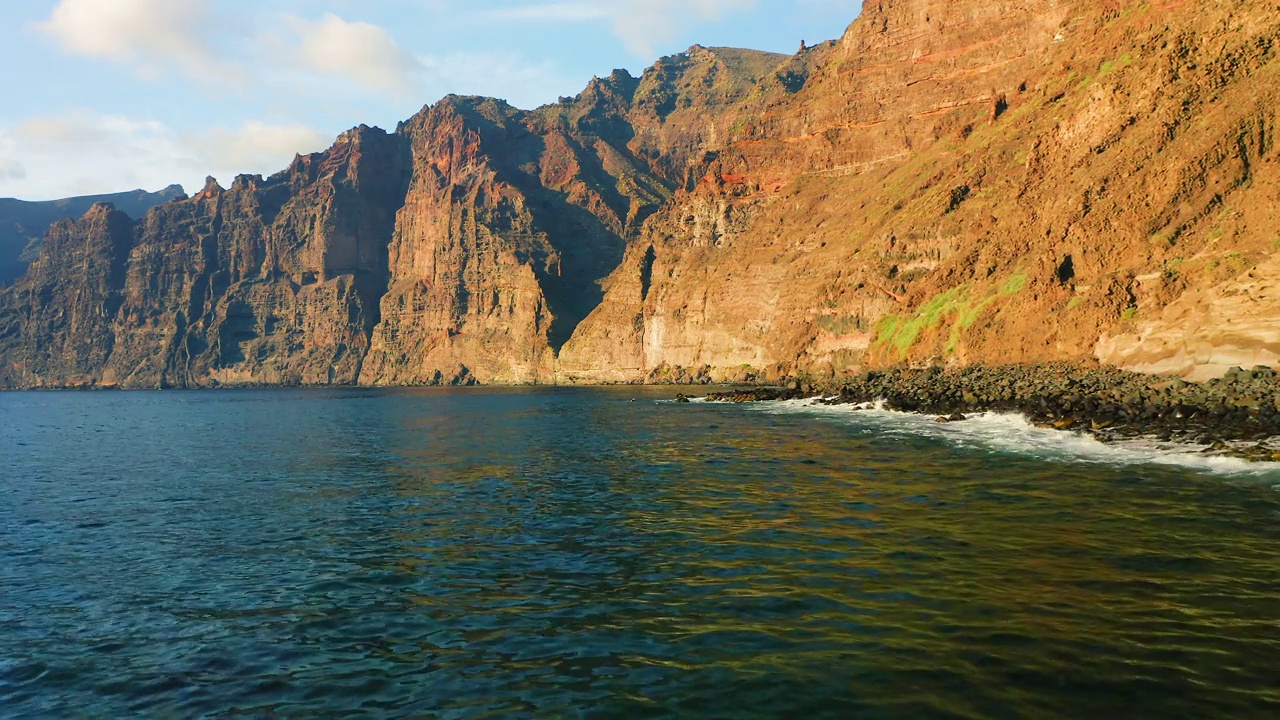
[{"x": 610, "y": 553}]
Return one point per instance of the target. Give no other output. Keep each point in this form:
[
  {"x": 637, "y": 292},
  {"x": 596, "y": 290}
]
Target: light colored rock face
[
  {"x": 768, "y": 264},
  {"x": 1206, "y": 332},
  {"x": 513, "y": 219},
  {"x": 463, "y": 305}
]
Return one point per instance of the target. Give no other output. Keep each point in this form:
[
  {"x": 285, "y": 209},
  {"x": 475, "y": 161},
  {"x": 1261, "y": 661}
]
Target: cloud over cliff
[{"x": 641, "y": 24}]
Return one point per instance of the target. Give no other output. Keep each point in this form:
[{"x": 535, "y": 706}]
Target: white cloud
[
  {"x": 12, "y": 170},
  {"x": 358, "y": 51},
  {"x": 152, "y": 35},
  {"x": 509, "y": 76},
  {"x": 554, "y": 12},
  {"x": 157, "y": 36},
  {"x": 266, "y": 148},
  {"x": 83, "y": 152},
  {"x": 644, "y": 24},
  {"x": 640, "y": 24}
]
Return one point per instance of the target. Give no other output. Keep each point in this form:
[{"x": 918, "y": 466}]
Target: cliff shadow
[
  {"x": 589, "y": 252},
  {"x": 590, "y": 245}
]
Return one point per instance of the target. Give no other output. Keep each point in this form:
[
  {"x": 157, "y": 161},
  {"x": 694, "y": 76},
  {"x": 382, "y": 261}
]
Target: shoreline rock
[{"x": 1236, "y": 416}]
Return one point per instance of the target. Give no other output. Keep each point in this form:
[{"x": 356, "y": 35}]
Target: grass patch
[
  {"x": 1014, "y": 285},
  {"x": 902, "y": 332},
  {"x": 1112, "y": 66}
]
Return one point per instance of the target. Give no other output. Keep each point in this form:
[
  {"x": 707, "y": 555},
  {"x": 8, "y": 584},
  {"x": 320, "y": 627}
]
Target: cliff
[
  {"x": 23, "y": 224},
  {"x": 974, "y": 182},
  {"x": 272, "y": 281},
  {"x": 949, "y": 182}
]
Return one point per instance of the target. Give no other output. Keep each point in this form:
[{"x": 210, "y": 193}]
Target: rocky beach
[{"x": 1234, "y": 416}]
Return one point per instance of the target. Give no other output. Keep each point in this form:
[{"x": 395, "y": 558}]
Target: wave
[{"x": 1012, "y": 433}]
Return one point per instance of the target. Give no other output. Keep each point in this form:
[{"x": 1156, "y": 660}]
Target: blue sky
[{"x": 110, "y": 95}]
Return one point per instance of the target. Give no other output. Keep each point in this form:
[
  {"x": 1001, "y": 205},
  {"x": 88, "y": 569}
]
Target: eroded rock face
[
  {"x": 964, "y": 182},
  {"x": 55, "y": 326},
  {"x": 272, "y": 281},
  {"x": 514, "y": 219},
  {"x": 1206, "y": 331},
  {"x": 950, "y": 182},
  {"x": 467, "y": 247}
]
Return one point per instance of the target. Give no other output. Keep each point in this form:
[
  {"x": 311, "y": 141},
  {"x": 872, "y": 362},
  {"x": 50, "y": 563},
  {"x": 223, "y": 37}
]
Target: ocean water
[{"x": 608, "y": 553}]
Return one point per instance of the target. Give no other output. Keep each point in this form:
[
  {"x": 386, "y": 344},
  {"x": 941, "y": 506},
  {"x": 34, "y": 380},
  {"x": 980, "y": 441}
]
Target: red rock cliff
[
  {"x": 971, "y": 182},
  {"x": 949, "y": 182}
]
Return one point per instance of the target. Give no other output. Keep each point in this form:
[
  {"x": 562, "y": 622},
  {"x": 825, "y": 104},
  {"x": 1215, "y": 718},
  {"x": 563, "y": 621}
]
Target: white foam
[{"x": 1011, "y": 433}]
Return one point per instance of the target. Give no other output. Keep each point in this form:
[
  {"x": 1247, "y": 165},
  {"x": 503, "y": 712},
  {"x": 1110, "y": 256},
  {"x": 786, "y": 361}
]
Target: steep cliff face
[
  {"x": 950, "y": 182},
  {"x": 965, "y": 182},
  {"x": 467, "y": 247},
  {"x": 465, "y": 303},
  {"x": 56, "y": 324},
  {"x": 272, "y": 281},
  {"x": 513, "y": 218}
]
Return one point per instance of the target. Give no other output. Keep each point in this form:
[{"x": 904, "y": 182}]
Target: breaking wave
[{"x": 1012, "y": 433}]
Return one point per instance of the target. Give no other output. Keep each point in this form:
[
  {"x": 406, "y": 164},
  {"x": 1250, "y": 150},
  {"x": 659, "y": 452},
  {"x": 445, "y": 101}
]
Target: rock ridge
[{"x": 948, "y": 183}]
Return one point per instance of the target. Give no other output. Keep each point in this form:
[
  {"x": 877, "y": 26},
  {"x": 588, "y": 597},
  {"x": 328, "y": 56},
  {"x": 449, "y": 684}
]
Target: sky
[{"x": 112, "y": 95}]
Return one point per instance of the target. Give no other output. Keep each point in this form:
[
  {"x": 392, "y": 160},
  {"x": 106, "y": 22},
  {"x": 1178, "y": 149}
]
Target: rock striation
[
  {"x": 949, "y": 183},
  {"x": 964, "y": 182}
]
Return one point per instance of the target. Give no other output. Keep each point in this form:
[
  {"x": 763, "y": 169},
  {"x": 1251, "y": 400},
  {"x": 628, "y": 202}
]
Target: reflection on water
[{"x": 570, "y": 552}]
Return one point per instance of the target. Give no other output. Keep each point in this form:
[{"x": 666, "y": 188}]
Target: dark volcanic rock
[
  {"x": 55, "y": 325},
  {"x": 1106, "y": 402}
]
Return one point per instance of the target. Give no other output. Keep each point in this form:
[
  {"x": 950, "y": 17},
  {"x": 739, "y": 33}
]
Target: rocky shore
[{"x": 1237, "y": 415}]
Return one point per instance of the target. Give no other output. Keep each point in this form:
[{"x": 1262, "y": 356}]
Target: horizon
[{"x": 140, "y": 95}]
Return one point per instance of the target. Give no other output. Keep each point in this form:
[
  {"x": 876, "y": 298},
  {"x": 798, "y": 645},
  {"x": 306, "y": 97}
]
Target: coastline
[{"x": 1234, "y": 416}]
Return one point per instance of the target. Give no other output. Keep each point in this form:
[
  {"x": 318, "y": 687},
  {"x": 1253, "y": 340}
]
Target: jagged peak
[
  {"x": 100, "y": 208},
  {"x": 467, "y": 102},
  {"x": 211, "y": 187},
  {"x": 246, "y": 182},
  {"x": 359, "y": 133},
  {"x": 619, "y": 84},
  {"x": 495, "y": 110}
]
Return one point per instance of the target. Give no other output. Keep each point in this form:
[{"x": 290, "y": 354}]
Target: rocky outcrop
[
  {"x": 1207, "y": 331},
  {"x": 949, "y": 183},
  {"x": 1237, "y": 415}
]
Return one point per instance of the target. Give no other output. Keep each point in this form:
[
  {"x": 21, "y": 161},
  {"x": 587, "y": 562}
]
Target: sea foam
[{"x": 1012, "y": 433}]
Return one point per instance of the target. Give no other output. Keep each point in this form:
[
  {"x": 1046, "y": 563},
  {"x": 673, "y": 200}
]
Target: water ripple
[{"x": 570, "y": 553}]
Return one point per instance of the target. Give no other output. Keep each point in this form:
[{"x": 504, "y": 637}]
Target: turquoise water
[{"x": 551, "y": 553}]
